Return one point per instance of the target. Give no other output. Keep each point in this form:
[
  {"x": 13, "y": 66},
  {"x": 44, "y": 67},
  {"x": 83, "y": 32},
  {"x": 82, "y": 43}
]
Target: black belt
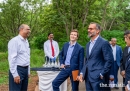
[
  {"x": 22, "y": 66},
  {"x": 67, "y": 66}
]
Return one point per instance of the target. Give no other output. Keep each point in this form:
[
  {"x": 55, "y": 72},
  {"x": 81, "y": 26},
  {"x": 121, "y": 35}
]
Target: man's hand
[
  {"x": 28, "y": 75},
  {"x": 62, "y": 66},
  {"x": 80, "y": 78},
  {"x": 111, "y": 79},
  {"x": 17, "y": 79},
  {"x": 126, "y": 89},
  {"x": 123, "y": 74}
]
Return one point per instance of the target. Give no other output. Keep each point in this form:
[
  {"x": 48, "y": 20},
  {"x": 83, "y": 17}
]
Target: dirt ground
[{"x": 33, "y": 81}]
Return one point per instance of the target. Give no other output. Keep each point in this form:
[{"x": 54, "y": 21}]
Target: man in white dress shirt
[
  {"x": 51, "y": 48},
  {"x": 19, "y": 60}
]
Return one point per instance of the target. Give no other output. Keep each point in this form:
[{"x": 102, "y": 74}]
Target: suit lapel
[
  {"x": 66, "y": 48},
  {"x": 87, "y": 50},
  {"x": 127, "y": 61},
  {"x": 116, "y": 51},
  {"x": 95, "y": 45}
]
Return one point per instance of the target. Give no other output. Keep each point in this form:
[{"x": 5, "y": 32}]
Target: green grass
[{"x": 37, "y": 60}]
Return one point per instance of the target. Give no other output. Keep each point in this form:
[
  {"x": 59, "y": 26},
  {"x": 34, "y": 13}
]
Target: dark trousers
[
  {"x": 123, "y": 88},
  {"x": 23, "y": 73},
  {"x": 100, "y": 85},
  {"x": 48, "y": 59},
  {"x": 61, "y": 77},
  {"x": 116, "y": 68}
]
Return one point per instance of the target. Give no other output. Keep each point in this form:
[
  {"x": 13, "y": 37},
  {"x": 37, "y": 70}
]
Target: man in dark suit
[
  {"x": 71, "y": 58},
  {"x": 117, "y": 54},
  {"x": 99, "y": 59},
  {"x": 125, "y": 63},
  {"x": 122, "y": 64}
]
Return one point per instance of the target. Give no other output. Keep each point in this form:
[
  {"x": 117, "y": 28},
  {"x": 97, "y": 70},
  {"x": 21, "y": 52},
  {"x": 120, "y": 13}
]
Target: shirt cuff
[
  {"x": 128, "y": 87},
  {"x": 62, "y": 64},
  {"x": 81, "y": 73},
  {"x": 101, "y": 75},
  {"x": 111, "y": 76},
  {"x": 15, "y": 74},
  {"x": 28, "y": 70}
]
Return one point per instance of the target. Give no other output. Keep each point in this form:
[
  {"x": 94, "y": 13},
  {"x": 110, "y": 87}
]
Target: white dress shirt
[
  {"x": 92, "y": 43},
  {"x": 18, "y": 54},
  {"x": 114, "y": 52},
  {"x": 48, "y": 50}
]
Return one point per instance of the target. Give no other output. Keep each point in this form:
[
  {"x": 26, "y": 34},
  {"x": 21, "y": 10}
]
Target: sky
[{"x": 1, "y": 1}]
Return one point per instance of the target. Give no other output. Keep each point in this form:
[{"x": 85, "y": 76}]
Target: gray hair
[
  {"x": 98, "y": 27},
  {"x": 21, "y": 26}
]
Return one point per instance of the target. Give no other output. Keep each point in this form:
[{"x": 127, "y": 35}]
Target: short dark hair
[
  {"x": 127, "y": 32},
  {"x": 49, "y": 33},
  {"x": 98, "y": 27}
]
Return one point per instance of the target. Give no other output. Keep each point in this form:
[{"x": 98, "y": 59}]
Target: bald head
[
  {"x": 24, "y": 30},
  {"x": 22, "y": 26}
]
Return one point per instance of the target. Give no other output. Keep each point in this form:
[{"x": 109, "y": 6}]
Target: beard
[{"x": 91, "y": 34}]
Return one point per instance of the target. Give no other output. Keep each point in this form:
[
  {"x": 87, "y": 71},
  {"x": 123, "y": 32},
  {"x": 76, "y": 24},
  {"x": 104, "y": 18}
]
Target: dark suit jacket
[
  {"x": 99, "y": 61},
  {"x": 124, "y": 58},
  {"x": 127, "y": 70},
  {"x": 77, "y": 58}
]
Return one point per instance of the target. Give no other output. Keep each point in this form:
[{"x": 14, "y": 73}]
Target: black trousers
[
  {"x": 123, "y": 88},
  {"x": 23, "y": 73}
]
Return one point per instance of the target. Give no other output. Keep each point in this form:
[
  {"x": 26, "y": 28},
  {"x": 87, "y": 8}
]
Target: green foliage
[
  {"x": 114, "y": 34},
  {"x": 38, "y": 41},
  {"x": 3, "y": 45},
  {"x": 60, "y": 17},
  {"x": 4, "y": 68},
  {"x": 37, "y": 58}
]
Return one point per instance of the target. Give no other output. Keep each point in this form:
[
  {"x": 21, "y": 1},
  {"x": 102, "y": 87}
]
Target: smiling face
[
  {"x": 113, "y": 41},
  {"x": 93, "y": 31},
  {"x": 73, "y": 36},
  {"x": 24, "y": 30},
  {"x": 50, "y": 36}
]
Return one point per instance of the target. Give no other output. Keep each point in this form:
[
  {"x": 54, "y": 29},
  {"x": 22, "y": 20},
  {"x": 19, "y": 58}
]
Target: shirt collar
[
  {"x": 113, "y": 46},
  {"x": 22, "y": 38},
  {"x": 50, "y": 40},
  {"x": 73, "y": 44},
  {"x": 94, "y": 39}
]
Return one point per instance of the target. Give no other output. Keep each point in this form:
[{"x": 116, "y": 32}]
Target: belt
[
  {"x": 22, "y": 66},
  {"x": 67, "y": 66}
]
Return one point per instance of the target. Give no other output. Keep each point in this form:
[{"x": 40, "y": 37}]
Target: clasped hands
[
  {"x": 53, "y": 59},
  {"x": 80, "y": 78}
]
